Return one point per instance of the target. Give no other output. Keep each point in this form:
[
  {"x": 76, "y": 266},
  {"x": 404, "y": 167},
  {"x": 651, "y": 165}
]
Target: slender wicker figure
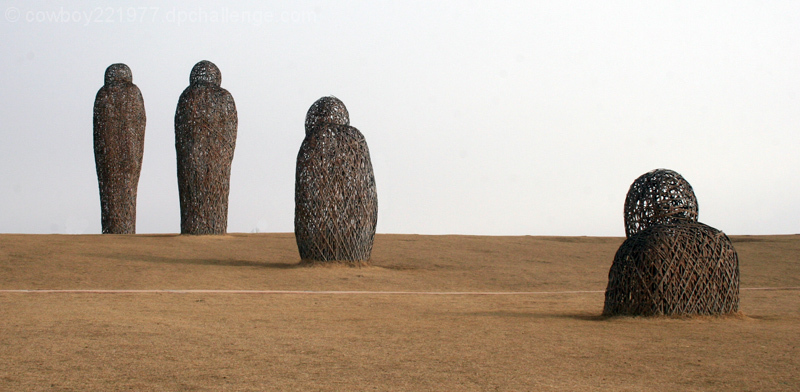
[
  {"x": 674, "y": 269},
  {"x": 205, "y": 137},
  {"x": 336, "y": 204},
  {"x": 657, "y": 197},
  {"x": 119, "y": 122}
]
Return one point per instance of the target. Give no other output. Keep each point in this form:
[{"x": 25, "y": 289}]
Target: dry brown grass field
[{"x": 375, "y": 328}]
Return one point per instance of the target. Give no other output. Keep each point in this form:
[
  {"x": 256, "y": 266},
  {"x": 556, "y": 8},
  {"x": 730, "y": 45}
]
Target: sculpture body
[
  {"x": 336, "y": 203},
  {"x": 205, "y": 138},
  {"x": 674, "y": 269},
  {"x": 119, "y": 125},
  {"x": 670, "y": 264}
]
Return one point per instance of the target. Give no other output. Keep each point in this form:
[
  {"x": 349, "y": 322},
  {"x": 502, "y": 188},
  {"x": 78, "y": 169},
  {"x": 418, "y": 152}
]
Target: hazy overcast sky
[{"x": 525, "y": 117}]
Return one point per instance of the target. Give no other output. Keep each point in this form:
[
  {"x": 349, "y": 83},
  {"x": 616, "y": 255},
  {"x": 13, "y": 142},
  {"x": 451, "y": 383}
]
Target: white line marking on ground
[
  {"x": 318, "y": 292},
  {"x": 327, "y": 292}
]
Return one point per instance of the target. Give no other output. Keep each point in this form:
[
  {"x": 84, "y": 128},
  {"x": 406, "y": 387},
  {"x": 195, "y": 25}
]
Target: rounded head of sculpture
[
  {"x": 118, "y": 73},
  {"x": 660, "y": 196},
  {"x": 205, "y": 72},
  {"x": 327, "y": 110}
]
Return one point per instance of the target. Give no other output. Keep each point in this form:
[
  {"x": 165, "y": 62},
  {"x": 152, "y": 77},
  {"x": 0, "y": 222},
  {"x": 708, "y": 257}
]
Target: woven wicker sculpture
[
  {"x": 119, "y": 122},
  {"x": 205, "y": 137},
  {"x": 657, "y": 197},
  {"x": 336, "y": 205},
  {"x": 674, "y": 269}
]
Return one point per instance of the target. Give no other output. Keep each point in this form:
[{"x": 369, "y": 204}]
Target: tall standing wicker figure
[
  {"x": 205, "y": 137},
  {"x": 119, "y": 122},
  {"x": 658, "y": 197},
  {"x": 336, "y": 204}
]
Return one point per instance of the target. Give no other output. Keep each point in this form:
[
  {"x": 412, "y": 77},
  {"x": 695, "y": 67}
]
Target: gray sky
[{"x": 492, "y": 118}]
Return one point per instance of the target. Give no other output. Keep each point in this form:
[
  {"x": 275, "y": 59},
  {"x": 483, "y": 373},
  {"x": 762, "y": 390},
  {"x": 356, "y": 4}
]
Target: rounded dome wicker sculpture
[
  {"x": 674, "y": 269},
  {"x": 119, "y": 123},
  {"x": 336, "y": 204},
  {"x": 205, "y": 137},
  {"x": 657, "y": 197}
]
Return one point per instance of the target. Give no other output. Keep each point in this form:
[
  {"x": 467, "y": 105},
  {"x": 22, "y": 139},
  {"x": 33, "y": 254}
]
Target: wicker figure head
[
  {"x": 205, "y": 138},
  {"x": 119, "y": 123},
  {"x": 326, "y": 110},
  {"x": 118, "y": 73},
  {"x": 336, "y": 204},
  {"x": 657, "y": 197},
  {"x": 205, "y": 72},
  {"x": 674, "y": 269}
]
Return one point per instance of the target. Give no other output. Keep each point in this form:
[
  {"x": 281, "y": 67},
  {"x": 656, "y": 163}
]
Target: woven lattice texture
[
  {"x": 659, "y": 197},
  {"x": 205, "y": 137},
  {"x": 674, "y": 269},
  {"x": 336, "y": 204},
  {"x": 119, "y": 123},
  {"x": 327, "y": 110}
]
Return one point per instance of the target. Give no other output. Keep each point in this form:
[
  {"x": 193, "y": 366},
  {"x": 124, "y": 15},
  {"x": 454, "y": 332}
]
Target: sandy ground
[{"x": 549, "y": 338}]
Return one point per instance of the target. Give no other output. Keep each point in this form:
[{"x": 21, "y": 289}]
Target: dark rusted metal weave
[
  {"x": 119, "y": 123},
  {"x": 674, "y": 269},
  {"x": 657, "y": 197},
  {"x": 205, "y": 137},
  {"x": 336, "y": 204}
]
